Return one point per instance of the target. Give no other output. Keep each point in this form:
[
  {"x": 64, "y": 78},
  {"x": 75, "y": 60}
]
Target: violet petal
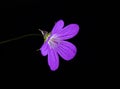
[
  {"x": 69, "y": 31},
  {"x": 58, "y": 26},
  {"x": 53, "y": 59},
  {"x": 66, "y": 50},
  {"x": 44, "y": 49}
]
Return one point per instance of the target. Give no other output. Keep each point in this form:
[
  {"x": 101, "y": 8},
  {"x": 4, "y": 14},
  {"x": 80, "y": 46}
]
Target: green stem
[{"x": 6, "y": 41}]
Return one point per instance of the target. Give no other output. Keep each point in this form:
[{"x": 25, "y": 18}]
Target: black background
[{"x": 21, "y": 61}]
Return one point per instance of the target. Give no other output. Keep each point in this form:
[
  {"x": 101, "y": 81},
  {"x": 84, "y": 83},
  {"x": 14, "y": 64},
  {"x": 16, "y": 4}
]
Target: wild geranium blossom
[{"x": 55, "y": 43}]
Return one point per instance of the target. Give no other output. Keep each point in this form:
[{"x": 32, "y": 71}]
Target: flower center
[{"x": 54, "y": 41}]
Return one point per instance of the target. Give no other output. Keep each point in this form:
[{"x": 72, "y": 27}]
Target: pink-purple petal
[
  {"x": 66, "y": 50},
  {"x": 53, "y": 59},
  {"x": 69, "y": 31},
  {"x": 44, "y": 49},
  {"x": 58, "y": 26}
]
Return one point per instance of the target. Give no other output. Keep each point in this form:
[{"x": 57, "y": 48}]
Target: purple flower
[{"x": 55, "y": 44}]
